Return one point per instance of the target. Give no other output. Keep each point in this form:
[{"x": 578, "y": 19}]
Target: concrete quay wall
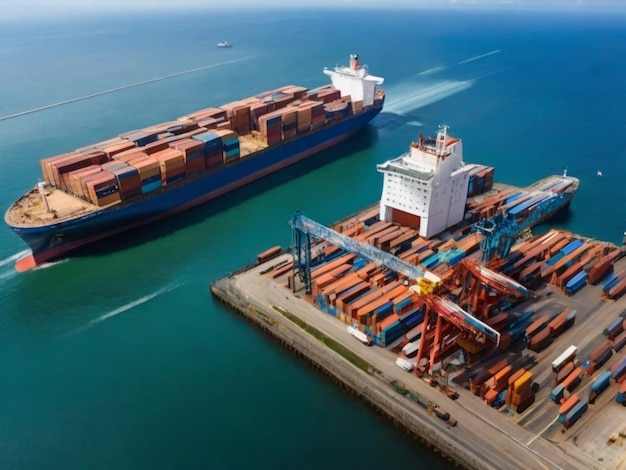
[{"x": 371, "y": 387}]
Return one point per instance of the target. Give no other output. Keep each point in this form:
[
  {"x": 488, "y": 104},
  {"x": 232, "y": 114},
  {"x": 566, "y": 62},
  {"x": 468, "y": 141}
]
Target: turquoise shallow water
[{"x": 119, "y": 357}]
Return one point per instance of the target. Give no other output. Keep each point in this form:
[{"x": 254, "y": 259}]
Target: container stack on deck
[
  {"x": 516, "y": 205},
  {"x": 205, "y": 140}
]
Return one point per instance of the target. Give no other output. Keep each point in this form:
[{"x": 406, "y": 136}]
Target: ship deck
[{"x": 30, "y": 210}]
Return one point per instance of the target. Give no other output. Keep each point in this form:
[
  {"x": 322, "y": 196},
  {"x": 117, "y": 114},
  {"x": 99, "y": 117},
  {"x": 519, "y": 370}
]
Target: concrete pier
[{"x": 484, "y": 437}]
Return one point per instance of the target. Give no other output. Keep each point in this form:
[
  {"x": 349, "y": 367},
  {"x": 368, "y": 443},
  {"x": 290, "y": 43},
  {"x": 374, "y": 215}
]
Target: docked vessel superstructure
[
  {"x": 427, "y": 186},
  {"x": 145, "y": 175},
  {"x": 431, "y": 187}
]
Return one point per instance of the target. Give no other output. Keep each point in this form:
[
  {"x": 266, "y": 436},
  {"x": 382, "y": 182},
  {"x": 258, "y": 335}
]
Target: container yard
[{"x": 484, "y": 324}]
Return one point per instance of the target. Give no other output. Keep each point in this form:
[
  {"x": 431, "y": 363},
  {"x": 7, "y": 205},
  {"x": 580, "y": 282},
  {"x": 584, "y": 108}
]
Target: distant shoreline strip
[{"x": 113, "y": 90}]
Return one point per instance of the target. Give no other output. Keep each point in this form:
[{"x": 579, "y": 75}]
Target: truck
[
  {"x": 566, "y": 356},
  {"x": 598, "y": 358},
  {"x": 621, "y": 395},
  {"x": 619, "y": 370},
  {"x": 620, "y": 341},
  {"x": 567, "y": 406},
  {"x": 599, "y": 385},
  {"x": 562, "y": 390},
  {"x": 406, "y": 364},
  {"x": 358, "y": 334},
  {"x": 575, "y": 413},
  {"x": 614, "y": 328}
]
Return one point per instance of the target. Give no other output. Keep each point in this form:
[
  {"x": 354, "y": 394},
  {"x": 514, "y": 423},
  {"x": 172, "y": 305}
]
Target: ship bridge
[
  {"x": 355, "y": 81},
  {"x": 427, "y": 186}
]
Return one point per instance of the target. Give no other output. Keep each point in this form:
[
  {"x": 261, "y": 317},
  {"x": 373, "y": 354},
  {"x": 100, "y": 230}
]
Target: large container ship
[{"x": 147, "y": 174}]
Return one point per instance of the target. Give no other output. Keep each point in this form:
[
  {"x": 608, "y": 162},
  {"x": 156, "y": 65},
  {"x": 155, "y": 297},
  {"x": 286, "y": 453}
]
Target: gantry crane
[
  {"x": 444, "y": 321},
  {"x": 305, "y": 228},
  {"x": 500, "y": 232},
  {"x": 482, "y": 289}
]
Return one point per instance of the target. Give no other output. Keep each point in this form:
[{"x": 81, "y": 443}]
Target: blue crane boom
[{"x": 306, "y": 227}]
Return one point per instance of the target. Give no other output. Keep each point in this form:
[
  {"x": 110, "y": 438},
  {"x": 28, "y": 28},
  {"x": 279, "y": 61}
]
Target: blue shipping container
[
  {"x": 620, "y": 369},
  {"x": 577, "y": 282},
  {"x": 411, "y": 321},
  {"x": 525, "y": 205},
  {"x": 404, "y": 303},
  {"x": 146, "y": 188},
  {"x": 575, "y": 413},
  {"x": 384, "y": 310},
  {"x": 555, "y": 258},
  {"x": 602, "y": 382},
  {"x": 572, "y": 246},
  {"x": 610, "y": 282},
  {"x": 513, "y": 197},
  {"x": 557, "y": 393}
]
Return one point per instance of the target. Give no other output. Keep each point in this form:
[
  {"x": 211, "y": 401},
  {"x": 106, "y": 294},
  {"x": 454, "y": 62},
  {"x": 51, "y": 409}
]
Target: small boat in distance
[{"x": 224, "y": 44}]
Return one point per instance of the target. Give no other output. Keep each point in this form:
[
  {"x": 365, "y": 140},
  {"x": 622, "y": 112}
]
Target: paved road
[{"x": 492, "y": 438}]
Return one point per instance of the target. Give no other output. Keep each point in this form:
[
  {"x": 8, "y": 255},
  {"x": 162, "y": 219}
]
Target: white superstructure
[
  {"x": 427, "y": 186},
  {"x": 355, "y": 81}
]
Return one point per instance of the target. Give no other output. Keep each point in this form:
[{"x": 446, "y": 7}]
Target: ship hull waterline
[{"x": 51, "y": 242}]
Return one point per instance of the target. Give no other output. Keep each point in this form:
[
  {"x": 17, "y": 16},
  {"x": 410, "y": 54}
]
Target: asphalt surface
[{"x": 483, "y": 437}]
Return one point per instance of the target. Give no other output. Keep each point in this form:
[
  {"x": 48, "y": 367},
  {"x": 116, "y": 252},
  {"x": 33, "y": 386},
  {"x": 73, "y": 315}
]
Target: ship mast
[{"x": 42, "y": 191}]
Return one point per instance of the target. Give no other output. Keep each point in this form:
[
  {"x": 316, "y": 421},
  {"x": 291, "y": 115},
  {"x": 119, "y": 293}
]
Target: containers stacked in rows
[
  {"x": 480, "y": 180},
  {"x": 160, "y": 155},
  {"x": 193, "y": 151},
  {"x": 171, "y": 164}
]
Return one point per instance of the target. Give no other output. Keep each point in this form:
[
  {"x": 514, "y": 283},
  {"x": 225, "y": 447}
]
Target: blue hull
[{"x": 53, "y": 241}]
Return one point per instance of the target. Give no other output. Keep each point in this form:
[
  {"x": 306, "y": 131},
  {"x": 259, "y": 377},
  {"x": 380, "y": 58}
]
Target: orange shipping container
[
  {"x": 74, "y": 177},
  {"x": 516, "y": 375},
  {"x": 568, "y": 404},
  {"x": 523, "y": 383}
]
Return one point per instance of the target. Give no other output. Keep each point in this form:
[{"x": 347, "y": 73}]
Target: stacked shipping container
[{"x": 192, "y": 144}]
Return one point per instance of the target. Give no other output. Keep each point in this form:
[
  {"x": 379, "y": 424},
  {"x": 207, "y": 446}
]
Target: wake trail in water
[
  {"x": 124, "y": 308},
  {"x": 123, "y": 87},
  {"x": 14, "y": 257},
  {"x": 409, "y": 97},
  {"x": 8, "y": 274},
  {"x": 442, "y": 68},
  {"x": 431, "y": 71},
  {"x": 481, "y": 56}
]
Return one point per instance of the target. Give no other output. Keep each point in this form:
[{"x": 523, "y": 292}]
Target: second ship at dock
[
  {"x": 148, "y": 174},
  {"x": 445, "y": 275},
  {"x": 435, "y": 211}
]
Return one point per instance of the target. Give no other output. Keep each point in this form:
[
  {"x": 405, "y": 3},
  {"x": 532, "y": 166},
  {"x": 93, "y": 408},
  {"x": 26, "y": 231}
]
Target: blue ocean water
[{"x": 119, "y": 357}]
